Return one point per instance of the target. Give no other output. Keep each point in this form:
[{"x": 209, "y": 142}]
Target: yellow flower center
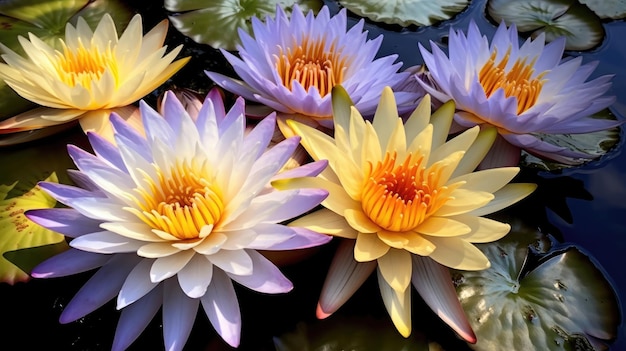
[
  {"x": 400, "y": 197},
  {"x": 311, "y": 64},
  {"x": 516, "y": 82},
  {"x": 181, "y": 204},
  {"x": 82, "y": 66}
]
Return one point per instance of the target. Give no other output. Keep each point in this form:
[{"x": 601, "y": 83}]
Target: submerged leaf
[
  {"x": 538, "y": 297},
  {"x": 582, "y": 28},
  {"x": 406, "y": 12},
  {"x": 216, "y": 22}
]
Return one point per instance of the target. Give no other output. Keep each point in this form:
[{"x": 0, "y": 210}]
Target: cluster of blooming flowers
[{"x": 176, "y": 201}]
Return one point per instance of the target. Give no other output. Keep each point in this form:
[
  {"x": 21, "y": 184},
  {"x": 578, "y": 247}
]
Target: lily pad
[
  {"x": 611, "y": 9},
  {"x": 538, "y": 295},
  {"x": 47, "y": 19},
  {"x": 581, "y": 27},
  {"x": 594, "y": 144},
  {"x": 406, "y": 12},
  {"x": 216, "y": 22}
]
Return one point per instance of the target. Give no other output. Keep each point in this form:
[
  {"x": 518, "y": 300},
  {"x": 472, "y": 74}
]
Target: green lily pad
[
  {"x": 581, "y": 27},
  {"x": 47, "y": 19},
  {"x": 349, "y": 333},
  {"x": 538, "y": 295},
  {"x": 215, "y": 22},
  {"x": 611, "y": 9},
  {"x": 406, "y": 12},
  {"x": 594, "y": 144}
]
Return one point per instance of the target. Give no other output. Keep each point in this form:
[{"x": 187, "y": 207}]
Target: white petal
[
  {"x": 195, "y": 277},
  {"x": 136, "y": 285},
  {"x": 165, "y": 267},
  {"x": 237, "y": 262},
  {"x": 221, "y": 306}
]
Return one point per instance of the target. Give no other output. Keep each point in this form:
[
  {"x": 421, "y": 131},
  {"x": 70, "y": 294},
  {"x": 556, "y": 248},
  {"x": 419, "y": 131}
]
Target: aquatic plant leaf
[
  {"x": 595, "y": 144},
  {"x": 47, "y": 19},
  {"x": 349, "y": 333},
  {"x": 581, "y": 27},
  {"x": 406, "y": 12},
  {"x": 538, "y": 295},
  {"x": 216, "y": 22},
  {"x": 613, "y": 9}
]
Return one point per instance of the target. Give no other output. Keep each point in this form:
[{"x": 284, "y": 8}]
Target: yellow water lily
[
  {"x": 93, "y": 74},
  {"x": 410, "y": 201}
]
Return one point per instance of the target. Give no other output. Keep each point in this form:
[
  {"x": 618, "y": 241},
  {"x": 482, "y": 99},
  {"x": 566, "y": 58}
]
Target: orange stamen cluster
[
  {"x": 312, "y": 64},
  {"x": 83, "y": 66},
  {"x": 516, "y": 82},
  {"x": 180, "y": 204},
  {"x": 400, "y": 197}
]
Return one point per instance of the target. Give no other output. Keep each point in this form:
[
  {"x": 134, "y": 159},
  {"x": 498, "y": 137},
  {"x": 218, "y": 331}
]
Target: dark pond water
[{"x": 594, "y": 195}]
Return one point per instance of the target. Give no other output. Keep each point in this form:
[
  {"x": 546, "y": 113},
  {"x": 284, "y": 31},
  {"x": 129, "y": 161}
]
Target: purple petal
[
  {"x": 179, "y": 314},
  {"x": 301, "y": 201},
  {"x": 261, "y": 135},
  {"x": 106, "y": 150},
  {"x": 221, "y": 306},
  {"x": 434, "y": 284},
  {"x": 100, "y": 288},
  {"x": 344, "y": 277},
  {"x": 265, "y": 277},
  {"x": 310, "y": 169},
  {"x": 135, "y": 318},
  {"x": 302, "y": 239},
  {"x": 136, "y": 285},
  {"x": 66, "y": 221},
  {"x": 69, "y": 262}
]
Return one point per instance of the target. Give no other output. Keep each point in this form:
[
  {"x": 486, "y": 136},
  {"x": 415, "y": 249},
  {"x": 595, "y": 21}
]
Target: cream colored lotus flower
[
  {"x": 94, "y": 74},
  {"x": 410, "y": 201}
]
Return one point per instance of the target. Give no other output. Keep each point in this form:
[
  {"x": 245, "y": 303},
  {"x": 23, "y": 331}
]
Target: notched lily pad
[
  {"x": 406, "y": 12},
  {"x": 595, "y": 144},
  {"x": 47, "y": 19},
  {"x": 581, "y": 27},
  {"x": 538, "y": 295},
  {"x": 215, "y": 22}
]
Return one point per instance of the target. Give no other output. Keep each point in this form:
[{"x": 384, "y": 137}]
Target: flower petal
[
  {"x": 327, "y": 222},
  {"x": 395, "y": 268},
  {"x": 398, "y": 305},
  {"x": 221, "y": 306},
  {"x": 179, "y": 314},
  {"x": 135, "y": 318},
  {"x": 265, "y": 276},
  {"x": 369, "y": 247}
]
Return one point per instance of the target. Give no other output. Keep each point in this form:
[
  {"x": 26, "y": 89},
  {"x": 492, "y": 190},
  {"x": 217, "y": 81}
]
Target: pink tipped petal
[
  {"x": 344, "y": 277},
  {"x": 398, "y": 305},
  {"x": 69, "y": 262},
  {"x": 265, "y": 277},
  {"x": 221, "y": 306},
  {"x": 100, "y": 288},
  {"x": 179, "y": 314},
  {"x": 434, "y": 284},
  {"x": 135, "y": 318},
  {"x": 64, "y": 220}
]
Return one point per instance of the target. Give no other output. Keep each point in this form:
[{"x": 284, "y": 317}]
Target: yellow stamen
[
  {"x": 312, "y": 64},
  {"x": 83, "y": 65},
  {"x": 516, "y": 82},
  {"x": 181, "y": 203},
  {"x": 400, "y": 197}
]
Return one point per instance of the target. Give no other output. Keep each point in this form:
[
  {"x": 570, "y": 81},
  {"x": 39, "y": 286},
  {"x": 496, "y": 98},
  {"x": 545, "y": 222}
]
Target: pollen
[
  {"x": 311, "y": 63},
  {"x": 517, "y": 81},
  {"x": 180, "y": 202},
  {"x": 84, "y": 65},
  {"x": 399, "y": 197}
]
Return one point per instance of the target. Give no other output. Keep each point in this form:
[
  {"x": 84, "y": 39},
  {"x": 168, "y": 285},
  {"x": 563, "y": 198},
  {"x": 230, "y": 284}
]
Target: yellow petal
[
  {"x": 442, "y": 227},
  {"x": 357, "y": 134},
  {"x": 397, "y": 140},
  {"x": 371, "y": 151},
  {"x": 505, "y": 197},
  {"x": 489, "y": 180},
  {"x": 420, "y": 145},
  {"x": 394, "y": 239},
  {"x": 418, "y": 120},
  {"x": 441, "y": 121},
  {"x": 476, "y": 153},
  {"x": 337, "y": 201},
  {"x": 32, "y": 119},
  {"x": 385, "y": 116},
  {"x": 395, "y": 268},
  {"x": 360, "y": 222},
  {"x": 319, "y": 145},
  {"x": 418, "y": 245},
  {"x": 464, "y": 200},
  {"x": 484, "y": 230},
  {"x": 398, "y": 305},
  {"x": 458, "y": 254},
  {"x": 461, "y": 142},
  {"x": 341, "y": 103},
  {"x": 368, "y": 247},
  {"x": 326, "y": 221}
]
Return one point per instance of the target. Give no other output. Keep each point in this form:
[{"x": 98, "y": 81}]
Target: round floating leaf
[
  {"x": 551, "y": 298},
  {"x": 215, "y": 22},
  {"x": 582, "y": 28},
  {"x": 613, "y": 9},
  {"x": 594, "y": 144},
  {"x": 406, "y": 12},
  {"x": 47, "y": 19}
]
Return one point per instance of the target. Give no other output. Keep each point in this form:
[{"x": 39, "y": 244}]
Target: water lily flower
[
  {"x": 171, "y": 219},
  {"x": 94, "y": 74},
  {"x": 291, "y": 66},
  {"x": 524, "y": 91},
  {"x": 407, "y": 202}
]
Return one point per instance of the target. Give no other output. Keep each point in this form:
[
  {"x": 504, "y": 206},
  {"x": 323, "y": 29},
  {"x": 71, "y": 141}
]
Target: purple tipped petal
[
  {"x": 106, "y": 150},
  {"x": 221, "y": 306},
  {"x": 303, "y": 239},
  {"x": 344, "y": 277},
  {"x": 69, "y": 262},
  {"x": 179, "y": 314},
  {"x": 434, "y": 284},
  {"x": 136, "y": 285},
  {"x": 265, "y": 277},
  {"x": 66, "y": 221},
  {"x": 135, "y": 318}
]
